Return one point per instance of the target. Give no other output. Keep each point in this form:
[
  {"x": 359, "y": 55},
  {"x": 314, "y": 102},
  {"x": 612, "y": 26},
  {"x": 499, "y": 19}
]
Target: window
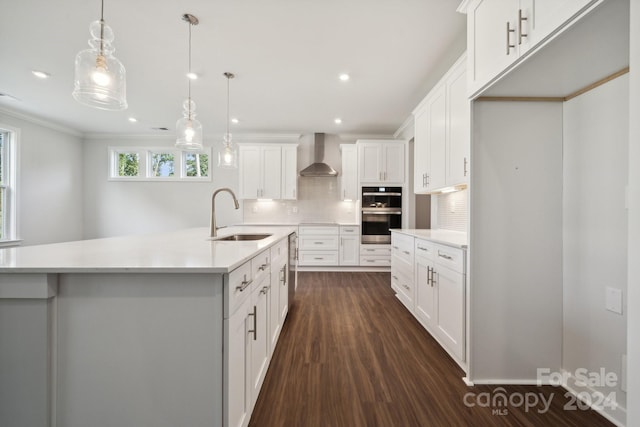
[
  {"x": 7, "y": 185},
  {"x": 158, "y": 164}
]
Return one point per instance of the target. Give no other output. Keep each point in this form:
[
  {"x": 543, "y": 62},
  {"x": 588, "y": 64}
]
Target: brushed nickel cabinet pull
[
  {"x": 521, "y": 19},
  {"x": 264, "y": 290},
  {"x": 255, "y": 323},
  {"x": 445, "y": 256},
  {"x": 407, "y": 252},
  {"x": 429, "y": 276},
  {"x": 465, "y": 166},
  {"x": 244, "y": 284},
  {"x": 509, "y": 31}
]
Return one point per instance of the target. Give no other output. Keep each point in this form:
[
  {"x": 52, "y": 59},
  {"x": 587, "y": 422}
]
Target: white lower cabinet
[
  {"x": 349, "y": 245},
  {"x": 318, "y": 245},
  {"x": 255, "y": 307},
  {"x": 375, "y": 255},
  {"x": 433, "y": 289}
]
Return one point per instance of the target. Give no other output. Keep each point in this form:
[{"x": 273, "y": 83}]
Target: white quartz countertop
[
  {"x": 456, "y": 239},
  {"x": 185, "y": 251}
]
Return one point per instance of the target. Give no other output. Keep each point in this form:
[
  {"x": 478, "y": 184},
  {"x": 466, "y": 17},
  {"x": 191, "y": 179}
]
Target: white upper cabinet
[
  {"x": 458, "y": 119},
  {"x": 441, "y": 137},
  {"x": 381, "y": 162},
  {"x": 349, "y": 178},
  {"x": 268, "y": 171},
  {"x": 501, "y": 31},
  {"x": 289, "y": 172}
]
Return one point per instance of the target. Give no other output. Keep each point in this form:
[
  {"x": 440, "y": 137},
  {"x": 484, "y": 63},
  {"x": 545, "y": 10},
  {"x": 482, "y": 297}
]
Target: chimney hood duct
[{"x": 318, "y": 167}]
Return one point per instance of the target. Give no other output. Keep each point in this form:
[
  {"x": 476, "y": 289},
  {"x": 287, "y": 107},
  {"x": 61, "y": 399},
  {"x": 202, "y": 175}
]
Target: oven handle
[
  {"x": 382, "y": 194},
  {"x": 381, "y": 213}
]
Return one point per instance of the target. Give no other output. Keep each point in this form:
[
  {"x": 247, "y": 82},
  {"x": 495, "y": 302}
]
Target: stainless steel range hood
[{"x": 318, "y": 167}]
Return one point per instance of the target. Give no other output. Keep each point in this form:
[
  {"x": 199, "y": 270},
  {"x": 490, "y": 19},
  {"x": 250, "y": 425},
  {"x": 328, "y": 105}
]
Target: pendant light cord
[
  {"x": 189, "y": 78},
  {"x": 228, "y": 78},
  {"x": 102, "y": 28}
]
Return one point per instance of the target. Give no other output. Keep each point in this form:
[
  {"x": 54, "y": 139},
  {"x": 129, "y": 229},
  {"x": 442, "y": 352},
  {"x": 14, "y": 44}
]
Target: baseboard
[
  {"x": 337, "y": 268},
  {"x": 616, "y": 415}
]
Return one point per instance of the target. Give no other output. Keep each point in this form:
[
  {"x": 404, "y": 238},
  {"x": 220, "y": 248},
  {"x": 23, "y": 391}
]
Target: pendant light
[
  {"x": 99, "y": 76},
  {"x": 228, "y": 154},
  {"x": 188, "y": 128}
]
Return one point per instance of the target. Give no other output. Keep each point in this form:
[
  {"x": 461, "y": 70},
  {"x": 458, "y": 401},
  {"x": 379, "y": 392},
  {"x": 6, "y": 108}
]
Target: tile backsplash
[
  {"x": 318, "y": 201},
  {"x": 452, "y": 210}
]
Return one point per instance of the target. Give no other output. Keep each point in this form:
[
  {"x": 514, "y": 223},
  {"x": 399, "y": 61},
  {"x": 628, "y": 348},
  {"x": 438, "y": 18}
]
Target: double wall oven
[{"x": 381, "y": 211}]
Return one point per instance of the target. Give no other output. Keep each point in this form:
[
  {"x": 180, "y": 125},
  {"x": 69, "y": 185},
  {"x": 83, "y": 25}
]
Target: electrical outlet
[{"x": 613, "y": 300}]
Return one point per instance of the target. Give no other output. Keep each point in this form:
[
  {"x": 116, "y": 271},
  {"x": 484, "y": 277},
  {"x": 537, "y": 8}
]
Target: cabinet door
[
  {"x": 420, "y": 151},
  {"x": 549, "y": 16},
  {"x": 250, "y": 172},
  {"x": 275, "y": 326},
  {"x": 393, "y": 168},
  {"x": 450, "y": 308},
  {"x": 487, "y": 39},
  {"x": 238, "y": 402},
  {"x": 349, "y": 250},
  {"x": 271, "y": 172},
  {"x": 259, "y": 337},
  {"x": 349, "y": 180},
  {"x": 458, "y": 133},
  {"x": 437, "y": 109},
  {"x": 369, "y": 165},
  {"x": 289, "y": 172},
  {"x": 426, "y": 306}
]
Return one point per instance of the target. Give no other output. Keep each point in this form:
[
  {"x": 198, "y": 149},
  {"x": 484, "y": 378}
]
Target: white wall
[
  {"x": 633, "y": 336},
  {"x": 114, "y": 208},
  {"x": 50, "y": 181},
  {"x": 595, "y": 151},
  {"x": 516, "y": 241}
]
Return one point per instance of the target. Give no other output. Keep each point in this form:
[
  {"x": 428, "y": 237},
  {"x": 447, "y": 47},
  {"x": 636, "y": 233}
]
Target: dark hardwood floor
[{"x": 351, "y": 355}]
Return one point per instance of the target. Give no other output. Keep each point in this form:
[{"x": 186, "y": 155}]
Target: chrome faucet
[{"x": 214, "y": 229}]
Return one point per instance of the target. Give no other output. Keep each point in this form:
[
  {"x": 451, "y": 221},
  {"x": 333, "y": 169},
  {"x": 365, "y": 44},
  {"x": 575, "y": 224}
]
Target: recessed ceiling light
[
  {"x": 344, "y": 77},
  {"x": 192, "y": 76},
  {"x": 235, "y": 120},
  {"x": 133, "y": 119},
  {"x": 338, "y": 121},
  {"x": 40, "y": 74}
]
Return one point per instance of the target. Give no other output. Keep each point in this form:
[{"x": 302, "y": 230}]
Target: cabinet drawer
[
  {"x": 404, "y": 289},
  {"x": 330, "y": 230},
  {"x": 238, "y": 284},
  {"x": 401, "y": 266},
  {"x": 449, "y": 257},
  {"x": 425, "y": 249},
  {"x": 260, "y": 265},
  {"x": 279, "y": 249},
  {"x": 322, "y": 243},
  {"x": 349, "y": 230},
  {"x": 317, "y": 258},
  {"x": 402, "y": 247},
  {"x": 371, "y": 250},
  {"x": 375, "y": 260}
]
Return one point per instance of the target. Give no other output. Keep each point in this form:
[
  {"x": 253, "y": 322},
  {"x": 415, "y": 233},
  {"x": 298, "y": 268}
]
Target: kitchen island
[{"x": 136, "y": 330}]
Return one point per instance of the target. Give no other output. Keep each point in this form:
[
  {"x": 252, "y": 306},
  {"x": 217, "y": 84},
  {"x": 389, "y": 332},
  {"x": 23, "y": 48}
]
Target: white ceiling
[{"x": 286, "y": 54}]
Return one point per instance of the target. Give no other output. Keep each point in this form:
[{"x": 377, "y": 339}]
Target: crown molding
[
  {"x": 355, "y": 136},
  {"x": 463, "y": 6},
  {"x": 408, "y": 124},
  {"x": 41, "y": 122}
]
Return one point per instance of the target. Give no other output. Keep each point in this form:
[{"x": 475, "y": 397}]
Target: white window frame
[
  {"x": 10, "y": 194},
  {"x": 145, "y": 167}
]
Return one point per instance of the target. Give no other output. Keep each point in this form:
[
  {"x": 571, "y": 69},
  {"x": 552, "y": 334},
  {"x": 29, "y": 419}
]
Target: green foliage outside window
[
  {"x": 197, "y": 164},
  {"x": 163, "y": 164},
  {"x": 128, "y": 164}
]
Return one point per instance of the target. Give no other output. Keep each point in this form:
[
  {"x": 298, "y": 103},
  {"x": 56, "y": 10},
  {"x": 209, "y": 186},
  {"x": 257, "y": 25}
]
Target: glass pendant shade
[
  {"x": 189, "y": 129},
  {"x": 99, "y": 76},
  {"x": 228, "y": 154}
]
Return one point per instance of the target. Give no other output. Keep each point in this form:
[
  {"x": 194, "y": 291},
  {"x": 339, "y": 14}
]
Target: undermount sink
[{"x": 243, "y": 237}]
